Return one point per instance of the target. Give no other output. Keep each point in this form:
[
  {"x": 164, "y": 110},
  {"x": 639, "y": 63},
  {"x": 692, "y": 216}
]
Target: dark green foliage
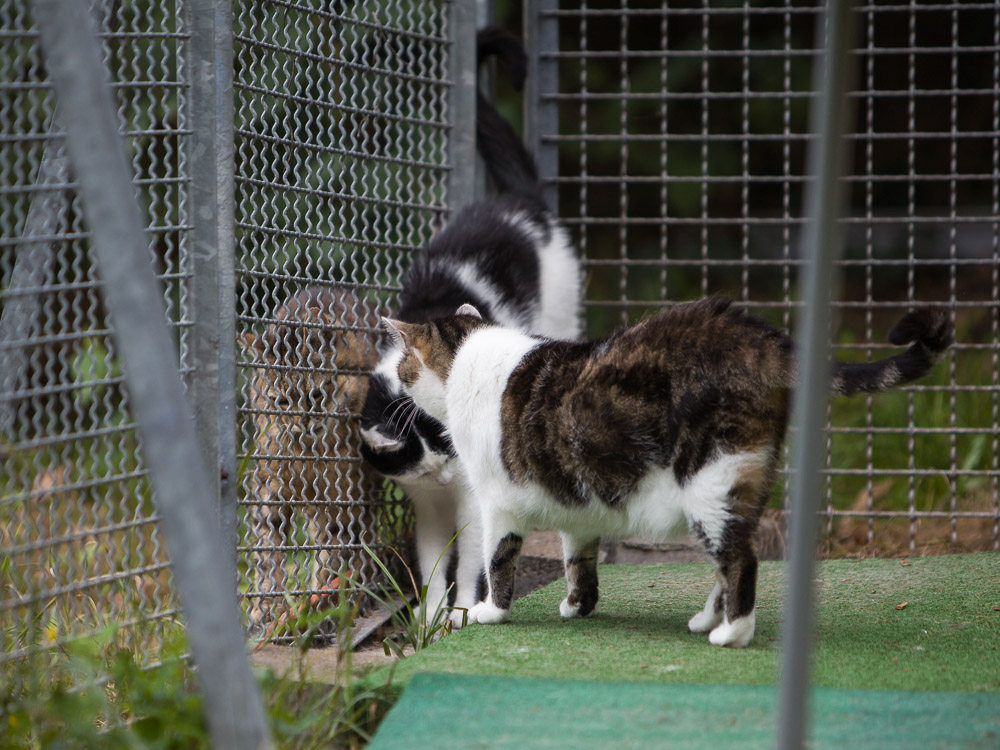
[{"x": 94, "y": 692}]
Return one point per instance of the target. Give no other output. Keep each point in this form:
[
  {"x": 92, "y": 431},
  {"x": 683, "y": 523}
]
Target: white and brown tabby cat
[
  {"x": 308, "y": 381},
  {"x": 674, "y": 424}
]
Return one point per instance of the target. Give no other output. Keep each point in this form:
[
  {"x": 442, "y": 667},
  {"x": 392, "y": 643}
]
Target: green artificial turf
[
  {"x": 505, "y": 712},
  {"x": 945, "y": 638}
]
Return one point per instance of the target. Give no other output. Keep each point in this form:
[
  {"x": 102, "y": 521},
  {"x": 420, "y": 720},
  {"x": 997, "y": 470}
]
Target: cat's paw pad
[
  {"x": 704, "y": 622},
  {"x": 486, "y": 613},
  {"x": 735, "y": 634}
]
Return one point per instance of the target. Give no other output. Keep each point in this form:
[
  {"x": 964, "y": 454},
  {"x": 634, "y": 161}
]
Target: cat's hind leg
[
  {"x": 729, "y": 615},
  {"x": 739, "y": 621},
  {"x": 706, "y": 620},
  {"x": 502, "y": 540},
  {"x": 725, "y": 524},
  {"x": 580, "y": 558}
]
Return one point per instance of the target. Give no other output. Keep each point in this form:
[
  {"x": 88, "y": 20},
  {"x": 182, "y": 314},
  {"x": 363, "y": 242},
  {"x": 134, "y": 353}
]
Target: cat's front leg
[
  {"x": 502, "y": 540},
  {"x": 580, "y": 559},
  {"x": 270, "y": 531},
  {"x": 470, "y": 564},
  {"x": 434, "y": 517}
]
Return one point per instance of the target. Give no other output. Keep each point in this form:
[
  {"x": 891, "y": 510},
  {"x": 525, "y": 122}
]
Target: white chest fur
[{"x": 474, "y": 394}]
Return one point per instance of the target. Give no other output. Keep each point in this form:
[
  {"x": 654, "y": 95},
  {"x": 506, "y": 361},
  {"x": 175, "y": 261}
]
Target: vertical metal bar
[
  {"x": 664, "y": 151},
  {"x": 541, "y": 112},
  {"x": 484, "y": 13},
  {"x": 233, "y": 707},
  {"x": 828, "y": 155},
  {"x": 995, "y": 283},
  {"x": 706, "y": 103},
  {"x": 462, "y": 105},
  {"x": 32, "y": 266},
  {"x": 623, "y": 156},
  {"x": 212, "y": 383},
  {"x": 485, "y": 79}
]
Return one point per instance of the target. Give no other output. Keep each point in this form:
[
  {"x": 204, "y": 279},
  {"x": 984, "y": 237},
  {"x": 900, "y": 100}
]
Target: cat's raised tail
[
  {"x": 507, "y": 160},
  {"x": 927, "y": 330}
]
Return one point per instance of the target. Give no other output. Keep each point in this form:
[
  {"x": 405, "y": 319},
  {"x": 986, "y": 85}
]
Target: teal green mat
[{"x": 469, "y": 712}]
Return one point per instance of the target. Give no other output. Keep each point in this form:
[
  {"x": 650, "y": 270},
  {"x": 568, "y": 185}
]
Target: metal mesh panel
[
  {"x": 341, "y": 124},
  {"x": 79, "y": 543},
  {"x": 676, "y": 137}
]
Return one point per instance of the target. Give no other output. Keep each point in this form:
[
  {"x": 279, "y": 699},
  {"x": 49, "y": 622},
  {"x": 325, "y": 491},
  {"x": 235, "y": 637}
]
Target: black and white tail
[
  {"x": 508, "y": 162},
  {"x": 927, "y": 330}
]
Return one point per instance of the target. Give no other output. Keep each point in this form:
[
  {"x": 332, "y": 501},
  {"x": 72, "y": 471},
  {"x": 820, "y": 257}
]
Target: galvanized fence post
[
  {"x": 234, "y": 712},
  {"x": 821, "y": 245},
  {"x": 212, "y": 281},
  {"x": 541, "y": 113},
  {"x": 462, "y": 106},
  {"x": 486, "y": 81}
]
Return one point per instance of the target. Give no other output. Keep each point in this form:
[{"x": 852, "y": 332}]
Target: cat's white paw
[
  {"x": 568, "y": 610},
  {"x": 486, "y": 613},
  {"x": 704, "y": 621},
  {"x": 735, "y": 634}
]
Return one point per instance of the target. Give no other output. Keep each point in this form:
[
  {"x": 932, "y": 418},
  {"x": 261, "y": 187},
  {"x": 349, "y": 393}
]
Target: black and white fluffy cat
[
  {"x": 674, "y": 424},
  {"x": 510, "y": 257}
]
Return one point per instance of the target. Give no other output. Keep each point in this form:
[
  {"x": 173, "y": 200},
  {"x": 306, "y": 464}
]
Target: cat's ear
[
  {"x": 468, "y": 309},
  {"x": 379, "y": 442},
  {"x": 398, "y": 330}
]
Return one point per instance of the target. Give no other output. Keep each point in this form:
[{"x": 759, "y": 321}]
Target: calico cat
[
  {"x": 510, "y": 257},
  {"x": 674, "y": 423},
  {"x": 307, "y": 380}
]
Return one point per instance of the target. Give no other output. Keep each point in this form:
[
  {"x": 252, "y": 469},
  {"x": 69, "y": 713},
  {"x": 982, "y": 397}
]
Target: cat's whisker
[
  {"x": 397, "y": 402},
  {"x": 400, "y": 404},
  {"x": 401, "y": 415},
  {"x": 411, "y": 417}
]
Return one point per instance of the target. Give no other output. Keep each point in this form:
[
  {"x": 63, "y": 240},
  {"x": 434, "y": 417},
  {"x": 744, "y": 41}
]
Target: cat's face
[
  {"x": 428, "y": 350},
  {"x": 309, "y": 373},
  {"x": 399, "y": 440}
]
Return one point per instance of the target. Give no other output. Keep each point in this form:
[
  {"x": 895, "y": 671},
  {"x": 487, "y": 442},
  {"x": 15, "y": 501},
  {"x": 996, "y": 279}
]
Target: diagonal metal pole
[
  {"x": 182, "y": 491},
  {"x": 821, "y": 244},
  {"x": 33, "y": 262}
]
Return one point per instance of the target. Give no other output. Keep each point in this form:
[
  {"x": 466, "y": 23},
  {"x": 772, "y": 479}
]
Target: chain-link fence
[
  {"x": 674, "y": 136},
  {"x": 79, "y": 543},
  {"x": 342, "y": 169},
  {"x": 341, "y": 164}
]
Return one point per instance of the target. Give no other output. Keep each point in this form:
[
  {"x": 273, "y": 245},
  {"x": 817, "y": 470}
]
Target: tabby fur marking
[{"x": 309, "y": 379}]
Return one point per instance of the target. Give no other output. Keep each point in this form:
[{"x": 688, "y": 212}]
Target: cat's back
[
  {"x": 486, "y": 255},
  {"x": 694, "y": 381},
  {"x": 707, "y": 341},
  {"x": 509, "y": 258}
]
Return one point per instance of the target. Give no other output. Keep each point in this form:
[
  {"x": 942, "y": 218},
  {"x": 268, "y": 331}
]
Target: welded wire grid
[
  {"x": 681, "y": 135},
  {"x": 79, "y": 546},
  {"x": 341, "y": 128}
]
